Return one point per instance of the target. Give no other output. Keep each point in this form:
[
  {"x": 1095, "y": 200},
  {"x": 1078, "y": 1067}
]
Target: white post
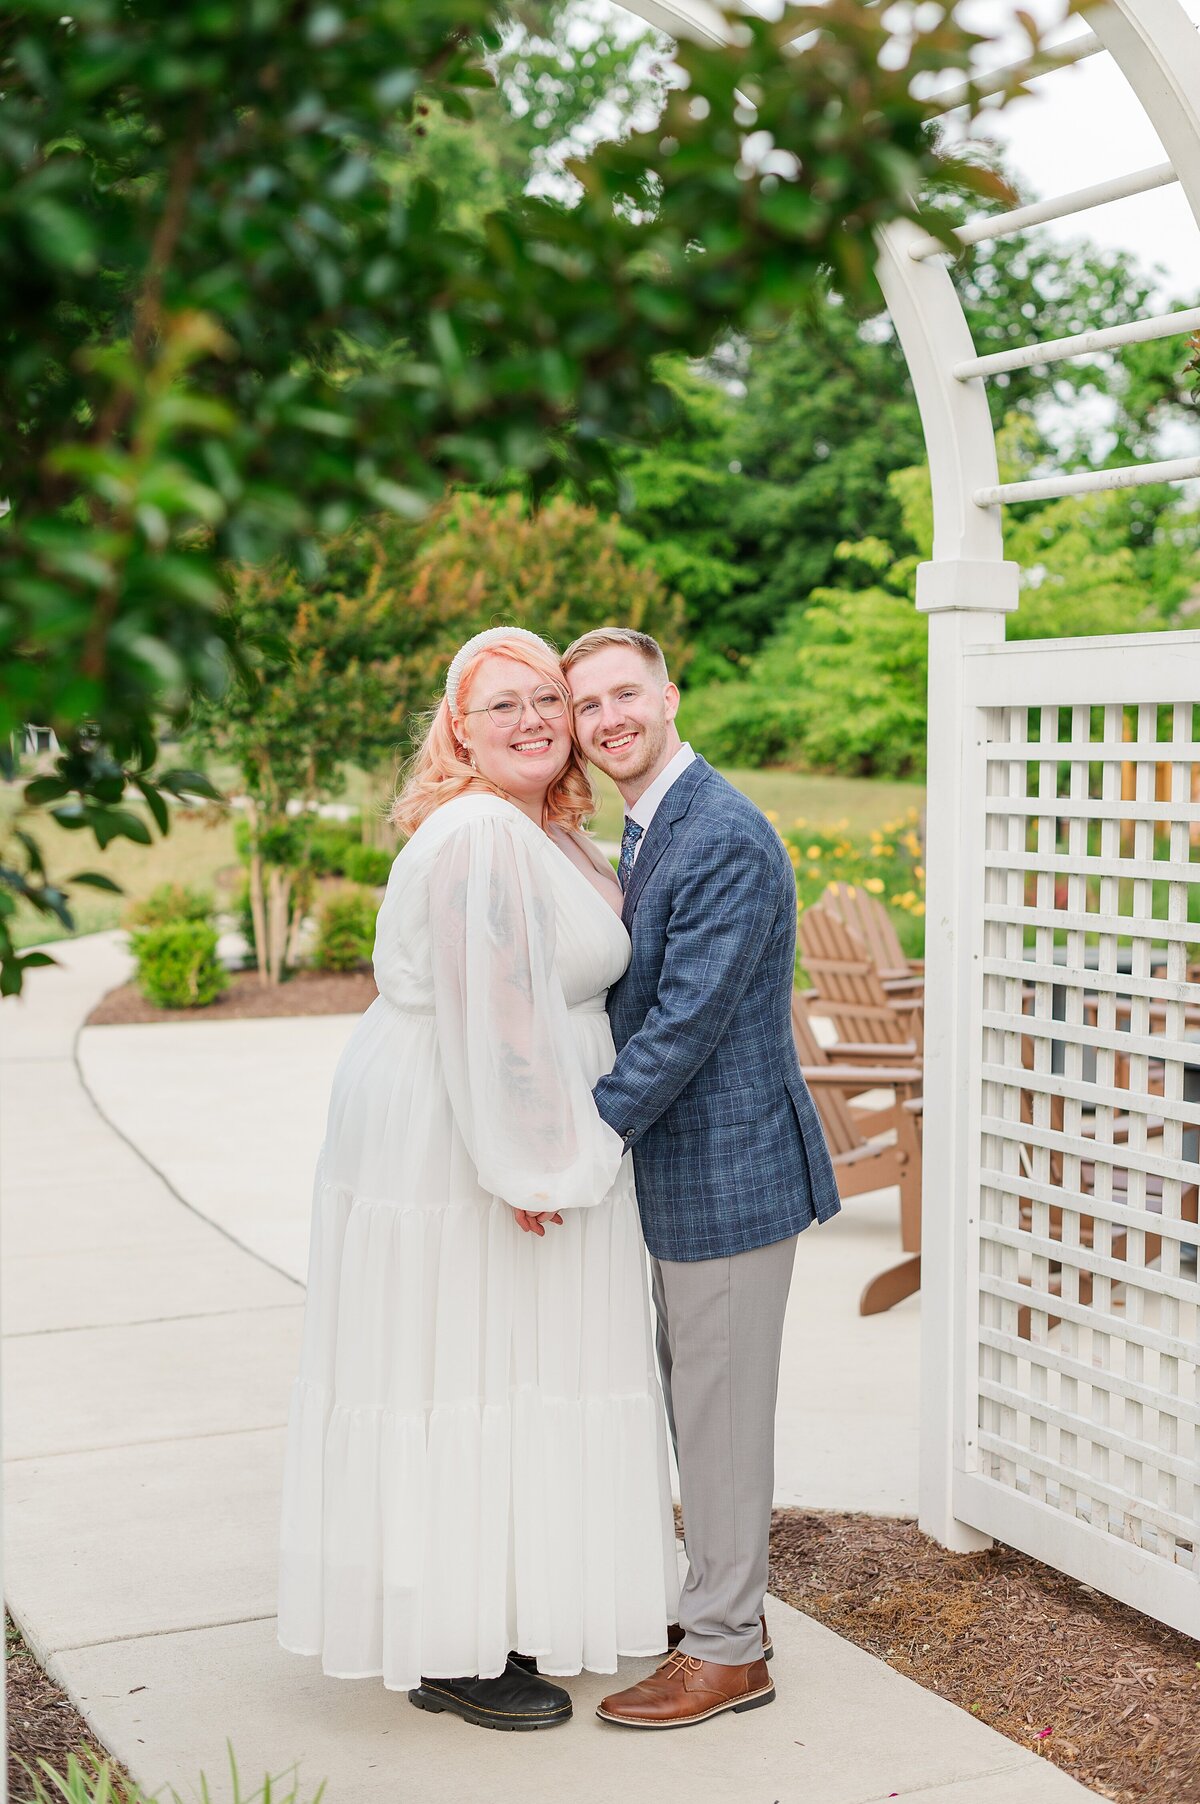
[
  {"x": 976, "y": 618},
  {"x": 966, "y": 590}
]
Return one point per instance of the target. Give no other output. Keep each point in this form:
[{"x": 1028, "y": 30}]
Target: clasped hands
[{"x": 532, "y": 1221}]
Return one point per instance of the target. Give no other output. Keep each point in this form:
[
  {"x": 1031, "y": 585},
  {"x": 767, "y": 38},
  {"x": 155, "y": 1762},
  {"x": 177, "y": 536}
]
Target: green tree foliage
[
  {"x": 230, "y": 329},
  {"x": 842, "y": 684},
  {"x": 560, "y": 571},
  {"x": 565, "y": 79},
  {"x": 343, "y": 666},
  {"x": 686, "y": 499},
  {"x": 756, "y": 491},
  {"x": 330, "y": 687},
  {"x": 828, "y": 414}
]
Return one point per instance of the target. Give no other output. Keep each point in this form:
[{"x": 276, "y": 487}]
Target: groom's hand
[{"x": 532, "y": 1221}]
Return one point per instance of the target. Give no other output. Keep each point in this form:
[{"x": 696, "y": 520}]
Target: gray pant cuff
[{"x": 725, "y": 1650}]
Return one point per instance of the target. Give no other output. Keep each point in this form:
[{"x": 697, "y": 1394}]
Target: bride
[{"x": 476, "y": 1486}]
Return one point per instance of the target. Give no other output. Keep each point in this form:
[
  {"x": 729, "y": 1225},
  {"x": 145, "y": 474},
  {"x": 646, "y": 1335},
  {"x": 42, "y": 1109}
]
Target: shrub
[
  {"x": 367, "y": 864},
  {"x": 171, "y": 905},
  {"x": 330, "y": 844},
  {"x": 177, "y": 965},
  {"x": 743, "y": 725},
  {"x": 346, "y": 931}
]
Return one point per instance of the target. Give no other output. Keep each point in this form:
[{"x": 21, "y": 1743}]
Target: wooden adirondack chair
[
  {"x": 869, "y": 1057},
  {"x": 870, "y": 1148},
  {"x": 850, "y": 989},
  {"x": 870, "y": 920}
]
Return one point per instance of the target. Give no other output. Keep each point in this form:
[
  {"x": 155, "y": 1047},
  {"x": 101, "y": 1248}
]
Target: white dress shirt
[{"x": 650, "y": 800}]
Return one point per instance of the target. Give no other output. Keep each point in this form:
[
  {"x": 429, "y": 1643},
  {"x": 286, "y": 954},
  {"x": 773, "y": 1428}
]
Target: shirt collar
[{"x": 648, "y": 803}]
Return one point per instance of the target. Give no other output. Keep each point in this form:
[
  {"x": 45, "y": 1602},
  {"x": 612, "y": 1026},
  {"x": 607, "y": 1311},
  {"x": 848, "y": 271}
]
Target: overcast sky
[{"x": 1081, "y": 125}]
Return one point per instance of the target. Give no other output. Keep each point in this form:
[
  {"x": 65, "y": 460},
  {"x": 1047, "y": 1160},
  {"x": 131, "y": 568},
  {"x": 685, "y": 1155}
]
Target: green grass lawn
[
  {"x": 199, "y": 849},
  {"x": 855, "y": 804}
]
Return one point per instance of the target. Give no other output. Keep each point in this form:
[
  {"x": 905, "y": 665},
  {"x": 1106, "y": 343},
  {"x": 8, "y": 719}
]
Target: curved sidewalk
[{"x": 150, "y": 1338}]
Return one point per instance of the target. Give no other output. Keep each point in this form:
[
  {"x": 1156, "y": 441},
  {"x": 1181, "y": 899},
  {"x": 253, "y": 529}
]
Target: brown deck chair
[
  {"x": 870, "y": 920},
  {"x": 870, "y": 1148},
  {"x": 849, "y": 988},
  {"x": 868, "y": 1059}
]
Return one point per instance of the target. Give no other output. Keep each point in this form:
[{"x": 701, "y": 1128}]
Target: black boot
[{"x": 516, "y": 1700}]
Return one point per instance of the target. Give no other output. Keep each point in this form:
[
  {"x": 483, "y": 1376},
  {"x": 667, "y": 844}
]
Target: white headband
[{"x": 492, "y": 636}]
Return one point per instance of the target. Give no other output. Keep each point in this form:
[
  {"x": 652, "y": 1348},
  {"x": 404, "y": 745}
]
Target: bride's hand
[{"x": 531, "y": 1221}]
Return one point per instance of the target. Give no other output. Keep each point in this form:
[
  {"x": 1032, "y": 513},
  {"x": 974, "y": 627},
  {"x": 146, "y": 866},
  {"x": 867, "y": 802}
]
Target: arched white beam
[{"x": 1157, "y": 48}]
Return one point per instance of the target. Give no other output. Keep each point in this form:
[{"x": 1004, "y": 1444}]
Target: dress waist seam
[{"x": 592, "y": 1006}]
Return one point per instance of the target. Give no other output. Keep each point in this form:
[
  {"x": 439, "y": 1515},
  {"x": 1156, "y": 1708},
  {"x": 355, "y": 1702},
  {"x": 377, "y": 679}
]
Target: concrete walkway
[{"x": 155, "y": 1198}]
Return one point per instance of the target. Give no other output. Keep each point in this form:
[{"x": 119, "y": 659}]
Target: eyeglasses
[{"x": 507, "y": 709}]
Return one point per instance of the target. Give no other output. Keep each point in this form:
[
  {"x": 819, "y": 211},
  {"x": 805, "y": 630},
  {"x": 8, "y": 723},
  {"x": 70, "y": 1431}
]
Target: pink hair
[{"x": 440, "y": 770}]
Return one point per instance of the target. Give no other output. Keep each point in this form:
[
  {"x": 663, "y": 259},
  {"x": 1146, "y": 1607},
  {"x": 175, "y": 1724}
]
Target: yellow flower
[
  {"x": 875, "y": 885},
  {"x": 918, "y": 908},
  {"x": 919, "y": 871},
  {"x": 843, "y": 823},
  {"x": 771, "y": 814},
  {"x": 814, "y": 851},
  {"x": 876, "y": 834},
  {"x": 799, "y": 821},
  {"x": 914, "y": 814}
]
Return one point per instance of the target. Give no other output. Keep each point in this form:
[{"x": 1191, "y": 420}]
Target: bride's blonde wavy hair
[{"x": 440, "y": 769}]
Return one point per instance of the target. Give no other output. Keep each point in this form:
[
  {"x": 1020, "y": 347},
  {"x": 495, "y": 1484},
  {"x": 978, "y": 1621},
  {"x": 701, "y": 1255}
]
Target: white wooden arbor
[{"x": 1060, "y": 1409}]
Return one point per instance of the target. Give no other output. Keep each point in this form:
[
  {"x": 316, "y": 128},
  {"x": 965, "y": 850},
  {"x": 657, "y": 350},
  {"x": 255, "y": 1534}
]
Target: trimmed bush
[
  {"x": 346, "y": 931},
  {"x": 177, "y": 965},
  {"x": 171, "y": 905},
  {"x": 367, "y": 864},
  {"x": 330, "y": 844}
]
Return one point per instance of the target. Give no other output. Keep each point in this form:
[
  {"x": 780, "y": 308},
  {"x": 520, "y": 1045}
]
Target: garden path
[{"x": 155, "y": 1201}]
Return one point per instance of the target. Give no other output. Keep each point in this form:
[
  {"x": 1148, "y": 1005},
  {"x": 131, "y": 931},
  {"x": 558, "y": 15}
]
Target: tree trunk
[
  {"x": 280, "y": 889},
  {"x": 299, "y": 902},
  {"x": 258, "y": 912}
]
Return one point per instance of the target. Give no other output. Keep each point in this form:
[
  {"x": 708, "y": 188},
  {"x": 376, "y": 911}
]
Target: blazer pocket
[{"x": 720, "y": 1108}]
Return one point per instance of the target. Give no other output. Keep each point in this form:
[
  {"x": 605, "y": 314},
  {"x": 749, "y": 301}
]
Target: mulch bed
[
  {"x": 246, "y": 999},
  {"x": 1102, "y": 1691},
  {"x": 43, "y": 1724}
]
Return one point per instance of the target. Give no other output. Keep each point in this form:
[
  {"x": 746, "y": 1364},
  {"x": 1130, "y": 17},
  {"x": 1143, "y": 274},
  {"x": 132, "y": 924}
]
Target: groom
[{"x": 730, "y": 1160}]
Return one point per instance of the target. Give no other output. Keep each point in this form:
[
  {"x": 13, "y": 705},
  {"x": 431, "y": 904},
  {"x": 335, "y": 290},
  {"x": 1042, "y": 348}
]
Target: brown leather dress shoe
[
  {"x": 675, "y": 1636},
  {"x": 686, "y": 1690}
]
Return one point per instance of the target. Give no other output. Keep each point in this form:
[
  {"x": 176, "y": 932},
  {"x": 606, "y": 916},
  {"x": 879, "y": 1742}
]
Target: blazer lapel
[{"x": 674, "y": 804}]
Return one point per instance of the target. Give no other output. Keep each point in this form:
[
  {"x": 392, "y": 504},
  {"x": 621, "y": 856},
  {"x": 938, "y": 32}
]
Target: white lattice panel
[{"x": 1081, "y": 1410}]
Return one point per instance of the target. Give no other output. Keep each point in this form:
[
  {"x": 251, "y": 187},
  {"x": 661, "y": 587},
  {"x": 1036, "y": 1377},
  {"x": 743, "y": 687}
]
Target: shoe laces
[{"x": 677, "y": 1661}]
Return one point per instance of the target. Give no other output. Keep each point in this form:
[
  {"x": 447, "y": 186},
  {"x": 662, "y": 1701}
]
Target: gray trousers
[{"x": 720, "y": 1328}]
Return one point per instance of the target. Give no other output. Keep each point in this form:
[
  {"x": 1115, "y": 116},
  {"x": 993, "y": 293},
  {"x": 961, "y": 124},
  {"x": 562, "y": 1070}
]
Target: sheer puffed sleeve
[{"x": 519, "y": 1093}]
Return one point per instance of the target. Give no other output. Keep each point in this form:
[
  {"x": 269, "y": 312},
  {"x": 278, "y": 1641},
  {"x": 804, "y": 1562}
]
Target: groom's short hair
[{"x": 603, "y": 636}]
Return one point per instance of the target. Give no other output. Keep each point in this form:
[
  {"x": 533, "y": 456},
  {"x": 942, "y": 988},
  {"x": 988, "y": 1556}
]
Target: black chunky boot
[{"x": 518, "y": 1699}]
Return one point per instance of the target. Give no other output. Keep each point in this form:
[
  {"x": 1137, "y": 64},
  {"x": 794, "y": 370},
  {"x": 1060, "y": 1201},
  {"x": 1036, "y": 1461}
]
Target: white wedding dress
[{"x": 476, "y": 1455}]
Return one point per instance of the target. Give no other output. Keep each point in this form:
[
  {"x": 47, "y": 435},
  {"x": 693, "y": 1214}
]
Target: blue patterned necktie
[{"x": 629, "y": 840}]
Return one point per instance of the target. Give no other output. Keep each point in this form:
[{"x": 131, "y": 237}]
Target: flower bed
[{"x": 889, "y": 864}]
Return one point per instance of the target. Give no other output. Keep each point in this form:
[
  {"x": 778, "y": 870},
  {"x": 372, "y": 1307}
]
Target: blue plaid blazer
[{"x": 706, "y": 1089}]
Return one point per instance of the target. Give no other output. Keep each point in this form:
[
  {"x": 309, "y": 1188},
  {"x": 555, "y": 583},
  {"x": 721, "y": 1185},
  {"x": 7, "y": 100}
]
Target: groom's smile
[{"x": 623, "y": 716}]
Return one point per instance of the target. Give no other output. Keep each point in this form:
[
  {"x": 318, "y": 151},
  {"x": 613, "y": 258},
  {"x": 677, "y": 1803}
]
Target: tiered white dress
[{"x": 476, "y": 1455}]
